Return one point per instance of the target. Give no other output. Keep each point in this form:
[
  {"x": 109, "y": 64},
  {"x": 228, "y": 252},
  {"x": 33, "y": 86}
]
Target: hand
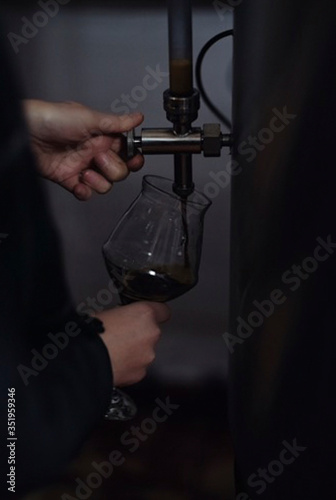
[
  {"x": 131, "y": 333},
  {"x": 79, "y": 148}
]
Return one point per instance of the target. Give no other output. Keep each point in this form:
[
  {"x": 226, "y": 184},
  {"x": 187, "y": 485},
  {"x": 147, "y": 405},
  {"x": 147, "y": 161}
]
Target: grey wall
[{"x": 93, "y": 55}]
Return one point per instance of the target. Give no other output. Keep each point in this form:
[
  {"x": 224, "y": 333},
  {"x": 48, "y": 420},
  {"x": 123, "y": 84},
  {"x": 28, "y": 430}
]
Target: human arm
[
  {"x": 58, "y": 404},
  {"x": 65, "y": 397}
]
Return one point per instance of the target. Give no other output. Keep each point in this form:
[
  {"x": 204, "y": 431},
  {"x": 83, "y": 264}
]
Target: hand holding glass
[{"x": 154, "y": 251}]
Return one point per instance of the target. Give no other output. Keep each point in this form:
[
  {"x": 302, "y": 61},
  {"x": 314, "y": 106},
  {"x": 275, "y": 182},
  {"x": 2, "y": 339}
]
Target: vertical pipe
[
  {"x": 183, "y": 185},
  {"x": 180, "y": 47},
  {"x": 181, "y": 82}
]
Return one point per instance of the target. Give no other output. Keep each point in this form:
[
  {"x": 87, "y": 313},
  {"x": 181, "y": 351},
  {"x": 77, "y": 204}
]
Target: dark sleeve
[{"x": 53, "y": 358}]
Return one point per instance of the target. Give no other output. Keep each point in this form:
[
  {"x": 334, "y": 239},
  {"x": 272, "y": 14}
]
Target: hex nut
[{"x": 212, "y": 139}]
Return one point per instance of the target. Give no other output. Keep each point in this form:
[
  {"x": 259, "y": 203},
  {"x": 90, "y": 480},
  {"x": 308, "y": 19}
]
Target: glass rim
[{"x": 206, "y": 202}]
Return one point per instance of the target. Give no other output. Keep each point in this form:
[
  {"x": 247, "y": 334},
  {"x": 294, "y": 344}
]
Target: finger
[
  {"x": 82, "y": 192},
  {"x": 111, "y": 166},
  {"x": 136, "y": 163},
  {"x": 96, "y": 181},
  {"x": 111, "y": 124}
]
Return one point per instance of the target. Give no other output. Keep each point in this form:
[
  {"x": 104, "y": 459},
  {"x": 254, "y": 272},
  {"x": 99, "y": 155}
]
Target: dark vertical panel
[{"x": 283, "y": 372}]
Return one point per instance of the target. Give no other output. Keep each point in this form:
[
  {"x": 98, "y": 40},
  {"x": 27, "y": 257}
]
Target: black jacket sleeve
[{"x": 53, "y": 359}]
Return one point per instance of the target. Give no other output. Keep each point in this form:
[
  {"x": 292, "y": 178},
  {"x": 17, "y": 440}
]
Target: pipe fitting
[
  {"x": 208, "y": 140},
  {"x": 212, "y": 139},
  {"x": 181, "y": 111}
]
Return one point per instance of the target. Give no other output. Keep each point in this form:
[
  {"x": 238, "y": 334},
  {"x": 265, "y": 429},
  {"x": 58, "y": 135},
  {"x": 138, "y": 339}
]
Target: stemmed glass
[{"x": 154, "y": 254}]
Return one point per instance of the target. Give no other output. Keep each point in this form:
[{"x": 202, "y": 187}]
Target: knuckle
[
  {"x": 156, "y": 332},
  {"x": 151, "y": 357},
  {"x": 165, "y": 313}
]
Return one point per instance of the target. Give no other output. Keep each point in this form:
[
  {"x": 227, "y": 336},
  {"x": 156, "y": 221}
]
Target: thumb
[{"x": 111, "y": 124}]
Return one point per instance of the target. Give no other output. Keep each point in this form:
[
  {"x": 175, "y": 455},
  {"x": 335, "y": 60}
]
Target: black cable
[{"x": 199, "y": 81}]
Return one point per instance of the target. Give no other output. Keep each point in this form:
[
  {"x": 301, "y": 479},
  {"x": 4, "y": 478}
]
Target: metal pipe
[
  {"x": 180, "y": 47},
  {"x": 183, "y": 185},
  {"x": 208, "y": 141},
  {"x": 165, "y": 141},
  {"x": 181, "y": 83}
]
